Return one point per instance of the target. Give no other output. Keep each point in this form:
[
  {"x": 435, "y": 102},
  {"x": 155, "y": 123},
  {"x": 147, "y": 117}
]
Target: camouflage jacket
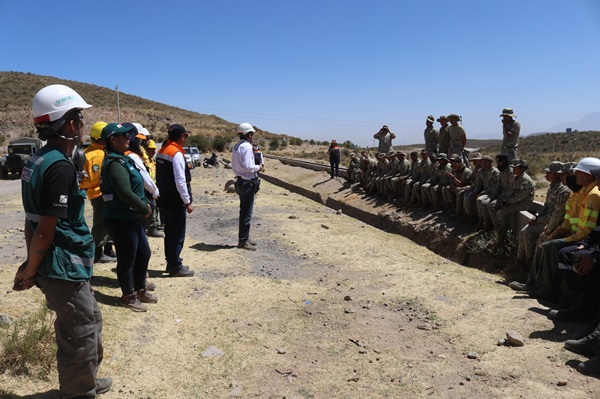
[
  {"x": 463, "y": 176},
  {"x": 513, "y": 139},
  {"x": 432, "y": 138},
  {"x": 553, "y": 212},
  {"x": 392, "y": 168},
  {"x": 522, "y": 189},
  {"x": 439, "y": 176},
  {"x": 485, "y": 181},
  {"x": 414, "y": 170},
  {"x": 444, "y": 140},
  {"x": 457, "y": 136},
  {"x": 425, "y": 170},
  {"x": 404, "y": 167},
  {"x": 504, "y": 187}
]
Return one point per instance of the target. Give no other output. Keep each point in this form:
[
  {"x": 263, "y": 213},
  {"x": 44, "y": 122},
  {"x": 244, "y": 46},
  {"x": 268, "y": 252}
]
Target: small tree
[
  {"x": 219, "y": 143},
  {"x": 274, "y": 144},
  {"x": 312, "y": 142}
]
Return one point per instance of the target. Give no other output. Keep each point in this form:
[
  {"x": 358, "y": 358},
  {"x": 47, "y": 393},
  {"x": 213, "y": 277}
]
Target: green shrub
[
  {"x": 219, "y": 143},
  {"x": 204, "y": 144},
  {"x": 274, "y": 144},
  {"x": 28, "y": 345}
]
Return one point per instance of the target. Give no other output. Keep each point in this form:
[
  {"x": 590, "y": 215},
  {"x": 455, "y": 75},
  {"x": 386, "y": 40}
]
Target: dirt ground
[{"x": 328, "y": 307}]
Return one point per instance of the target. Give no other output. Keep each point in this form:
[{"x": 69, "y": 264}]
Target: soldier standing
[
  {"x": 510, "y": 133},
  {"x": 444, "y": 135},
  {"x": 432, "y": 137},
  {"x": 458, "y": 136},
  {"x": 385, "y": 138}
]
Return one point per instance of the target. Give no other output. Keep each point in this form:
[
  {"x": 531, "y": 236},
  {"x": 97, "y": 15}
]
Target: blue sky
[{"x": 325, "y": 69}]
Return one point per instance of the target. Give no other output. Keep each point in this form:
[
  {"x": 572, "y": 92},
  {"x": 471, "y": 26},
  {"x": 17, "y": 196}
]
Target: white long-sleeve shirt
[
  {"x": 148, "y": 182},
  {"x": 242, "y": 160}
]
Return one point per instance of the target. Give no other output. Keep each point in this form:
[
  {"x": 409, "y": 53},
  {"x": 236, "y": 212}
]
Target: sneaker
[
  {"x": 104, "y": 258},
  {"x": 145, "y": 296},
  {"x": 103, "y": 385},
  {"x": 183, "y": 272},
  {"x": 132, "y": 302},
  {"x": 246, "y": 245},
  {"x": 154, "y": 233},
  {"x": 150, "y": 286}
]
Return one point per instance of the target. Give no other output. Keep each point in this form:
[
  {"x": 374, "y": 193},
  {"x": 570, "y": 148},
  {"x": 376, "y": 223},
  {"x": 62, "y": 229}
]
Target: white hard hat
[
  {"x": 586, "y": 165},
  {"x": 53, "y": 102},
  {"x": 245, "y": 128},
  {"x": 138, "y": 127}
]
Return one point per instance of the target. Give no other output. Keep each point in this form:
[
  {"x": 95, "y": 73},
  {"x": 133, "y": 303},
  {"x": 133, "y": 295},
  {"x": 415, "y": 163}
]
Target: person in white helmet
[
  {"x": 247, "y": 182},
  {"x": 60, "y": 247}
]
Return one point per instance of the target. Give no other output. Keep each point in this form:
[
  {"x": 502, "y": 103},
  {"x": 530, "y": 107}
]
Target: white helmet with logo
[
  {"x": 53, "y": 102},
  {"x": 586, "y": 165},
  {"x": 245, "y": 128}
]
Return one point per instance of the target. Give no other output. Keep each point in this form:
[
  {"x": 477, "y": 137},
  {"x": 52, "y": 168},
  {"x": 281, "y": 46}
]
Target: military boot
[
  {"x": 588, "y": 345},
  {"x": 590, "y": 367}
]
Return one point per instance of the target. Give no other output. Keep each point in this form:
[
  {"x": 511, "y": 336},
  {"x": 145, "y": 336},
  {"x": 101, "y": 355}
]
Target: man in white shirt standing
[{"x": 247, "y": 182}]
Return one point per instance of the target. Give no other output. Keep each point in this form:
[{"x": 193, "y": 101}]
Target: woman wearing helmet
[
  {"x": 60, "y": 248},
  {"x": 247, "y": 182}
]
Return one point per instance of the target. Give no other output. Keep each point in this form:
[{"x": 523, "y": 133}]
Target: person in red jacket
[{"x": 334, "y": 158}]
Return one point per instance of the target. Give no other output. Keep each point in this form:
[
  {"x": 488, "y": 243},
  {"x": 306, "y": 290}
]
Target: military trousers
[
  {"x": 483, "y": 201},
  {"x": 527, "y": 241},
  {"x": 505, "y": 215},
  {"x": 544, "y": 277}
]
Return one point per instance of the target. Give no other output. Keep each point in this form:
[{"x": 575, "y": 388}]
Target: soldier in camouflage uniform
[
  {"x": 478, "y": 195},
  {"x": 432, "y": 137},
  {"x": 368, "y": 165},
  {"x": 460, "y": 180},
  {"x": 378, "y": 172},
  {"x": 392, "y": 167},
  {"x": 550, "y": 216},
  {"x": 396, "y": 182},
  {"x": 521, "y": 195},
  {"x": 411, "y": 177},
  {"x": 432, "y": 190},
  {"x": 444, "y": 135},
  {"x": 503, "y": 189},
  {"x": 427, "y": 169},
  {"x": 510, "y": 133},
  {"x": 353, "y": 168},
  {"x": 421, "y": 170},
  {"x": 458, "y": 136}
]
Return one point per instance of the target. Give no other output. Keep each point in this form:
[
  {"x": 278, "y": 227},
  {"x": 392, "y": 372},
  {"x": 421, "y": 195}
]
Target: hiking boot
[
  {"x": 103, "y": 385},
  {"x": 183, "y": 272},
  {"x": 515, "y": 285},
  {"x": 590, "y": 367},
  {"x": 132, "y": 302},
  {"x": 253, "y": 243},
  {"x": 246, "y": 245},
  {"x": 590, "y": 344},
  {"x": 154, "y": 233},
  {"x": 104, "y": 258},
  {"x": 145, "y": 296}
]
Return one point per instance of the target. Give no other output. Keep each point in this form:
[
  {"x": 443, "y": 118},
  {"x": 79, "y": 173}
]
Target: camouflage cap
[
  {"x": 402, "y": 153},
  {"x": 475, "y": 156},
  {"x": 441, "y": 156},
  {"x": 442, "y": 118},
  {"x": 453, "y": 116},
  {"x": 456, "y": 159},
  {"x": 519, "y": 162},
  {"x": 508, "y": 112},
  {"x": 391, "y": 154},
  {"x": 486, "y": 158},
  {"x": 555, "y": 166},
  {"x": 568, "y": 167},
  {"x": 430, "y": 118}
]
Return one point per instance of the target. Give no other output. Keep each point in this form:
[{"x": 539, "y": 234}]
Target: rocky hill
[{"x": 17, "y": 90}]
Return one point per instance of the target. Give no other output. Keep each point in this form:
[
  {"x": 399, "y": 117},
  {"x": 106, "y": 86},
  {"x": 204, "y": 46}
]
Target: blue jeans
[
  {"x": 78, "y": 328},
  {"x": 245, "y": 190},
  {"x": 174, "y": 220},
  {"x": 133, "y": 252}
]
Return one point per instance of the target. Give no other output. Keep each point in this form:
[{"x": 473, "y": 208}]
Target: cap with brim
[
  {"x": 518, "y": 162},
  {"x": 486, "y": 158},
  {"x": 454, "y": 116},
  {"x": 134, "y": 133},
  {"x": 568, "y": 167},
  {"x": 508, "y": 112},
  {"x": 555, "y": 167},
  {"x": 400, "y": 153},
  {"x": 475, "y": 156},
  {"x": 442, "y": 156},
  {"x": 114, "y": 128},
  {"x": 176, "y": 131},
  {"x": 391, "y": 154},
  {"x": 456, "y": 159},
  {"x": 442, "y": 118},
  {"x": 430, "y": 118}
]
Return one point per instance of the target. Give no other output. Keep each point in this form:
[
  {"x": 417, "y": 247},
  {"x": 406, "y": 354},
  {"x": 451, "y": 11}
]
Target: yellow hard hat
[
  {"x": 151, "y": 144},
  {"x": 97, "y": 130}
]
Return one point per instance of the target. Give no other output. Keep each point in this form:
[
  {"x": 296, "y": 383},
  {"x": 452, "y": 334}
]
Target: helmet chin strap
[{"x": 68, "y": 138}]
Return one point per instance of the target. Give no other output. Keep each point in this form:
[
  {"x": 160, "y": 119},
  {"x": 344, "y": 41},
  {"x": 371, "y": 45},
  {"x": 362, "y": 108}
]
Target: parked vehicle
[
  {"x": 19, "y": 152},
  {"x": 192, "y": 155}
]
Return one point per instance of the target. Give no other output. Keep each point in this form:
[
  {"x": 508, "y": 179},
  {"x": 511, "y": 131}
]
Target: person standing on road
[
  {"x": 247, "y": 182},
  {"x": 60, "y": 247},
  {"x": 510, "y": 133},
  {"x": 173, "y": 178},
  {"x": 90, "y": 182},
  {"x": 385, "y": 138},
  {"x": 126, "y": 207},
  {"x": 334, "y": 158}
]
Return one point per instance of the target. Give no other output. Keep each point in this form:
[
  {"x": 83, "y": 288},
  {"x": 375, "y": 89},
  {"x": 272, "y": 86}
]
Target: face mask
[{"x": 572, "y": 183}]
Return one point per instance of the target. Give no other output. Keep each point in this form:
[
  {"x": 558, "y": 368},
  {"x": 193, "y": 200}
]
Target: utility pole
[{"x": 118, "y": 105}]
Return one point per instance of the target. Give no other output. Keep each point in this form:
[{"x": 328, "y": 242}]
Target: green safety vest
[
  {"x": 71, "y": 254},
  {"x": 114, "y": 207}
]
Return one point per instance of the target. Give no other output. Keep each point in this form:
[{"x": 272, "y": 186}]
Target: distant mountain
[{"x": 587, "y": 123}]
